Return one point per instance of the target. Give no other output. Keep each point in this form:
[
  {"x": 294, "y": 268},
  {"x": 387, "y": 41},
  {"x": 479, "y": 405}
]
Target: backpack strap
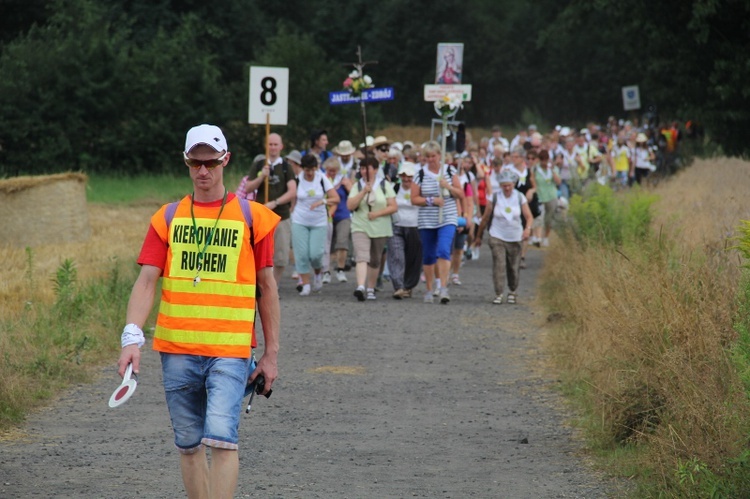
[
  {"x": 322, "y": 184},
  {"x": 492, "y": 212},
  {"x": 169, "y": 213},
  {"x": 248, "y": 214}
]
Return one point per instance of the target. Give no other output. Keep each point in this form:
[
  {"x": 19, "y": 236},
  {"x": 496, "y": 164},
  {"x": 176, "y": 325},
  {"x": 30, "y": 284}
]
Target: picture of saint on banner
[{"x": 450, "y": 62}]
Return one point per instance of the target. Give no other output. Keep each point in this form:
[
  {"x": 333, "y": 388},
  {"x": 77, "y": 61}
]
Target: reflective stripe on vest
[{"x": 214, "y": 318}]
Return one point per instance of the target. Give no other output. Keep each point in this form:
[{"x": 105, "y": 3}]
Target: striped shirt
[{"x": 429, "y": 216}]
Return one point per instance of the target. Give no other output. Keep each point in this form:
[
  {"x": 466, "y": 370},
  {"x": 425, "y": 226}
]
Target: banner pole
[{"x": 440, "y": 172}]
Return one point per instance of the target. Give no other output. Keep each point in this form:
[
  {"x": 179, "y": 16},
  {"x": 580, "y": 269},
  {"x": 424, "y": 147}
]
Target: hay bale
[{"x": 45, "y": 209}]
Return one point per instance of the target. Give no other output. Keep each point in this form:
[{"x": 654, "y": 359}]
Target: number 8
[{"x": 268, "y": 96}]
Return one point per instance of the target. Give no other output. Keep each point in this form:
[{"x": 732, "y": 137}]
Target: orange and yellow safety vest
[{"x": 213, "y": 317}]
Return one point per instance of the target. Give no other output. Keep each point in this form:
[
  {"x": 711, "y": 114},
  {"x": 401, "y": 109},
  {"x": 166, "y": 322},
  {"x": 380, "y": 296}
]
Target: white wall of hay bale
[{"x": 45, "y": 209}]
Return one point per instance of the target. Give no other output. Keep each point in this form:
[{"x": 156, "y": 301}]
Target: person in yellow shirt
[{"x": 622, "y": 160}]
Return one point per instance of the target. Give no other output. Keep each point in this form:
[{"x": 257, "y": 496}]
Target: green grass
[{"x": 46, "y": 349}]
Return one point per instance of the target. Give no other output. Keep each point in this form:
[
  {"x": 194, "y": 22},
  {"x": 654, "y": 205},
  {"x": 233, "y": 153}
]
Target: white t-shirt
[
  {"x": 307, "y": 194},
  {"x": 505, "y": 223},
  {"x": 642, "y": 159},
  {"x": 346, "y": 167},
  {"x": 408, "y": 214}
]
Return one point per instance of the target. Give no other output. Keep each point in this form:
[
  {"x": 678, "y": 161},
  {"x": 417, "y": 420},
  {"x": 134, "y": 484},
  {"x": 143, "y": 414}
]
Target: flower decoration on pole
[
  {"x": 448, "y": 106},
  {"x": 356, "y": 83}
]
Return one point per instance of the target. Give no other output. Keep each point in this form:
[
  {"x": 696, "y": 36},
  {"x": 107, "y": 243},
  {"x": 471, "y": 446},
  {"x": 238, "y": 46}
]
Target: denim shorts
[{"x": 204, "y": 396}]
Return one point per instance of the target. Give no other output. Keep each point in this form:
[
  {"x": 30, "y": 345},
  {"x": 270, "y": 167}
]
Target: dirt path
[{"x": 375, "y": 399}]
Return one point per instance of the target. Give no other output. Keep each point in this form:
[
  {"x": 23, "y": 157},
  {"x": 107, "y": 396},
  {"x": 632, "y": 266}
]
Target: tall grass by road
[{"x": 649, "y": 292}]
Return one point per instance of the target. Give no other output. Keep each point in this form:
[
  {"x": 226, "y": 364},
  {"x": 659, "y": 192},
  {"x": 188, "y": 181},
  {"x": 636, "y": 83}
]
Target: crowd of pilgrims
[{"x": 399, "y": 214}]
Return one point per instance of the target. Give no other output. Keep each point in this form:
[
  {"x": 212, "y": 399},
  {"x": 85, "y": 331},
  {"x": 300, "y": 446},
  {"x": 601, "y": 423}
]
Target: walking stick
[{"x": 268, "y": 132}]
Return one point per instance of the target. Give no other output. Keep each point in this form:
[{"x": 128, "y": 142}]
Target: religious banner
[{"x": 450, "y": 63}]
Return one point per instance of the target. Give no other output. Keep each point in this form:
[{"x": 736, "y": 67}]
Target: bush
[{"x": 600, "y": 216}]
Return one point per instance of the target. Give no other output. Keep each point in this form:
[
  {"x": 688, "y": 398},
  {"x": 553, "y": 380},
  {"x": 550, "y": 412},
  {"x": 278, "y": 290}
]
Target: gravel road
[{"x": 376, "y": 399}]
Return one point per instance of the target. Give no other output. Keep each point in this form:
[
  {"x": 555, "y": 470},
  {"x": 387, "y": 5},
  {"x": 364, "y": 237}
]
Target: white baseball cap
[
  {"x": 407, "y": 168},
  {"x": 210, "y": 135}
]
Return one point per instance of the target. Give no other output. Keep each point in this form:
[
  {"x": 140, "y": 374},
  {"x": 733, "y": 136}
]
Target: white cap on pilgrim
[{"x": 206, "y": 134}]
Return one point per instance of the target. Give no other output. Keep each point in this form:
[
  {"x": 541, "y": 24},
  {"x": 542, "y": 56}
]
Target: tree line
[{"x": 112, "y": 85}]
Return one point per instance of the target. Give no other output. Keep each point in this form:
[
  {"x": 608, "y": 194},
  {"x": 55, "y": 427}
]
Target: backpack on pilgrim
[
  {"x": 494, "y": 202},
  {"x": 450, "y": 171}
]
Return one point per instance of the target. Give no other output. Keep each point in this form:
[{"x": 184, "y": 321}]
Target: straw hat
[
  {"x": 380, "y": 140},
  {"x": 345, "y": 148}
]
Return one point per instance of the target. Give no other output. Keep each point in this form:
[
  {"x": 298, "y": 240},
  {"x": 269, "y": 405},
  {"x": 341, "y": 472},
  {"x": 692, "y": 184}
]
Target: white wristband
[{"x": 132, "y": 335}]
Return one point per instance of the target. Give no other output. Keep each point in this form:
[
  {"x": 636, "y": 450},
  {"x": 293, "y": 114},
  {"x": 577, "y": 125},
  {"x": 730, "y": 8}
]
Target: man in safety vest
[{"x": 212, "y": 251}]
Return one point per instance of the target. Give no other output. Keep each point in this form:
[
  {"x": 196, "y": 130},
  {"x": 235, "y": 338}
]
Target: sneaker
[
  {"x": 371, "y": 294},
  {"x": 428, "y": 297},
  {"x": 512, "y": 298},
  {"x": 436, "y": 289},
  {"x": 299, "y": 284},
  {"x": 398, "y": 294},
  {"x": 475, "y": 253},
  {"x": 305, "y": 291},
  {"x": 498, "y": 300},
  {"x": 445, "y": 298},
  {"x": 523, "y": 263},
  {"x": 341, "y": 276},
  {"x": 379, "y": 284},
  {"x": 360, "y": 293},
  {"x": 317, "y": 282},
  {"x": 455, "y": 280},
  {"x": 545, "y": 242},
  {"x": 327, "y": 278}
]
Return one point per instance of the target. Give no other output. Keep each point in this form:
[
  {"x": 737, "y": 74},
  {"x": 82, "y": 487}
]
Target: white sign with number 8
[{"x": 269, "y": 95}]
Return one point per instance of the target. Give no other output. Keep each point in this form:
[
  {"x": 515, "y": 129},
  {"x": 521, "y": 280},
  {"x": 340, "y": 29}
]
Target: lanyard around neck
[{"x": 208, "y": 237}]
